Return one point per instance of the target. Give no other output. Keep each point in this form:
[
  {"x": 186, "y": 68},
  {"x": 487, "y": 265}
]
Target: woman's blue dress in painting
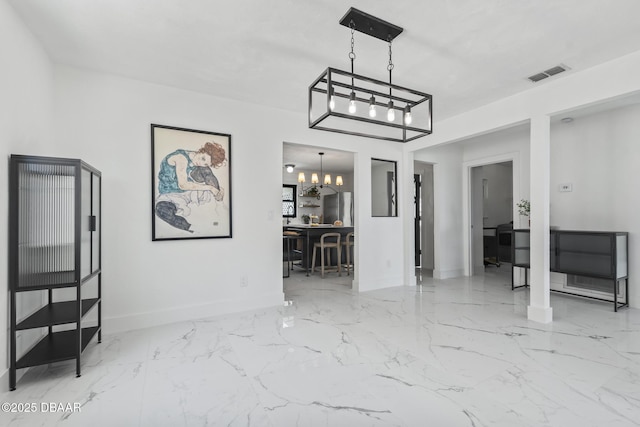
[{"x": 171, "y": 204}]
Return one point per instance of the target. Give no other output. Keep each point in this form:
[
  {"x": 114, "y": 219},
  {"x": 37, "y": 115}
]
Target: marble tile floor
[{"x": 457, "y": 352}]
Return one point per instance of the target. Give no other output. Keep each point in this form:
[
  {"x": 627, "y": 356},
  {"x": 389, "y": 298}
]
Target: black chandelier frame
[
  {"x": 346, "y": 85},
  {"x": 412, "y": 99}
]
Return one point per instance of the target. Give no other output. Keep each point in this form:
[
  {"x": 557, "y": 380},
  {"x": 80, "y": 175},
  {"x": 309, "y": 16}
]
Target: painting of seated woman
[{"x": 191, "y": 183}]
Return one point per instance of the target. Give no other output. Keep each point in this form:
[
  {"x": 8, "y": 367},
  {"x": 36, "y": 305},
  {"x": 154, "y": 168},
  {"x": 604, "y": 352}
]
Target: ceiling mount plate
[{"x": 370, "y": 25}]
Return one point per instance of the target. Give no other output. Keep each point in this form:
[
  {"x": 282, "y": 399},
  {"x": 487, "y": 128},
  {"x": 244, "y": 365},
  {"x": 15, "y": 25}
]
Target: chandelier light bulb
[
  {"x": 372, "y": 107},
  {"x": 352, "y": 103},
  {"x": 407, "y": 115},
  {"x": 391, "y": 113}
]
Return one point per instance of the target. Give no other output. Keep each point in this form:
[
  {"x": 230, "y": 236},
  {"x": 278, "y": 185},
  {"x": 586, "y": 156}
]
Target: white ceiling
[
  {"x": 465, "y": 52},
  {"x": 306, "y": 157}
]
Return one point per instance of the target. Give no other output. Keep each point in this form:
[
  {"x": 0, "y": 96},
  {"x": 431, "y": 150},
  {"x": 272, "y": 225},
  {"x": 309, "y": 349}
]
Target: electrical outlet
[
  {"x": 565, "y": 188},
  {"x": 244, "y": 281}
]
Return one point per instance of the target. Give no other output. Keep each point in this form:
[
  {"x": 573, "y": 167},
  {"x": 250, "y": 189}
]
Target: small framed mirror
[{"x": 383, "y": 188}]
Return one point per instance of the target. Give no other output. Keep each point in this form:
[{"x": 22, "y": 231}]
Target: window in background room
[{"x": 288, "y": 201}]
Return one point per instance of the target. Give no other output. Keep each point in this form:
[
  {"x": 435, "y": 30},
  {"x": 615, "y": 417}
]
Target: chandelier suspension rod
[
  {"x": 352, "y": 54},
  {"x": 390, "y": 67}
]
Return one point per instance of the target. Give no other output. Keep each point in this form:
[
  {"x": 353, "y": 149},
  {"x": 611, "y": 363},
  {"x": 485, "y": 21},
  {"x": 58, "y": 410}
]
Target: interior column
[{"x": 539, "y": 309}]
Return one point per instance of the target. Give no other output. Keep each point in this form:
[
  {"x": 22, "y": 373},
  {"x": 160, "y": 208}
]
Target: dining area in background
[{"x": 306, "y": 247}]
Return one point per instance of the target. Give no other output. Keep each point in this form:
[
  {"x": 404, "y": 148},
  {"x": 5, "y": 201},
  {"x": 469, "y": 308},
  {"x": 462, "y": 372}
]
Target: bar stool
[
  {"x": 327, "y": 243},
  {"x": 290, "y": 250},
  {"x": 348, "y": 246}
]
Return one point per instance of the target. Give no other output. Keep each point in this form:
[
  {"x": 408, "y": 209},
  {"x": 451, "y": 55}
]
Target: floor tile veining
[{"x": 457, "y": 352}]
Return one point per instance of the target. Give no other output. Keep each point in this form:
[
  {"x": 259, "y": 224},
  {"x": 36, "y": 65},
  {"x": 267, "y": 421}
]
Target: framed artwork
[{"x": 191, "y": 184}]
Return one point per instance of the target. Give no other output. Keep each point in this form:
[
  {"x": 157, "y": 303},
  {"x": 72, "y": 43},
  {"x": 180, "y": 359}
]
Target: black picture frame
[
  {"x": 384, "y": 188},
  {"x": 190, "y": 184}
]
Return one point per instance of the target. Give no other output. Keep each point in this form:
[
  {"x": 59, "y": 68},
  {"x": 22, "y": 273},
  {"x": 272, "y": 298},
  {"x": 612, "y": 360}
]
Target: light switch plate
[{"x": 565, "y": 188}]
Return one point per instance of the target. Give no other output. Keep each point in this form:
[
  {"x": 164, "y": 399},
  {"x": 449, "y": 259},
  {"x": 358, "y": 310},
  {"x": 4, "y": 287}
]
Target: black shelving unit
[
  {"x": 54, "y": 251},
  {"x": 593, "y": 254}
]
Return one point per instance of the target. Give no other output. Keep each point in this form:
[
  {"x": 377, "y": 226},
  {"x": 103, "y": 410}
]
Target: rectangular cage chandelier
[{"x": 353, "y": 104}]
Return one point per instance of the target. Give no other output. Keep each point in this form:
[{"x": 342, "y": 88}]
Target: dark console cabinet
[{"x": 593, "y": 254}]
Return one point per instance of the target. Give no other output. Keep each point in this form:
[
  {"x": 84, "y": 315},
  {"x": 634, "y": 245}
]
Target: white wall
[
  {"x": 26, "y": 116},
  {"x": 447, "y": 185},
  {"x": 379, "y": 259},
  {"x": 449, "y": 160},
  {"x": 105, "y": 120},
  {"x": 599, "y": 156},
  {"x": 512, "y": 142}
]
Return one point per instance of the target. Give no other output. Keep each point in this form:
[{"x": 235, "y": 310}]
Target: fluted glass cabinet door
[
  {"x": 95, "y": 240},
  {"x": 85, "y": 224}
]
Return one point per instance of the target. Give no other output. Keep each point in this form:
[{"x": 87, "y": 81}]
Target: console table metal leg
[
  {"x": 512, "y": 281},
  {"x": 526, "y": 278},
  {"x": 626, "y": 290}
]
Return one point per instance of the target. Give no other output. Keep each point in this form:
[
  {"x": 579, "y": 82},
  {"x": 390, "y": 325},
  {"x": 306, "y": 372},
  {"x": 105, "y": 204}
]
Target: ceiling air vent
[
  {"x": 548, "y": 73},
  {"x": 537, "y": 77},
  {"x": 555, "y": 70}
]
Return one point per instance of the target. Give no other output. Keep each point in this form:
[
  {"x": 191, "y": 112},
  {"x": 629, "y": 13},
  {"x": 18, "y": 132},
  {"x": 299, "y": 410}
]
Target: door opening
[
  {"x": 424, "y": 218},
  {"x": 491, "y": 212}
]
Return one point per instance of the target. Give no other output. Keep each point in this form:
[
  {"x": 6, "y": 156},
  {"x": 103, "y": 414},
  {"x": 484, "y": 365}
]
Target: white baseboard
[
  {"x": 447, "y": 274},
  {"x": 192, "y": 312},
  {"x": 4, "y": 381}
]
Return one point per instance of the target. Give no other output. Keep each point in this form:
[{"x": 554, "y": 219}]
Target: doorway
[
  {"x": 491, "y": 215},
  {"x": 423, "y": 217},
  {"x": 330, "y": 204}
]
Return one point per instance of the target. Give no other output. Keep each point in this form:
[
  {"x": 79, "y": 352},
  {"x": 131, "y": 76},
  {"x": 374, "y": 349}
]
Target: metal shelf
[
  {"x": 56, "y": 347},
  {"x": 57, "y": 313}
]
